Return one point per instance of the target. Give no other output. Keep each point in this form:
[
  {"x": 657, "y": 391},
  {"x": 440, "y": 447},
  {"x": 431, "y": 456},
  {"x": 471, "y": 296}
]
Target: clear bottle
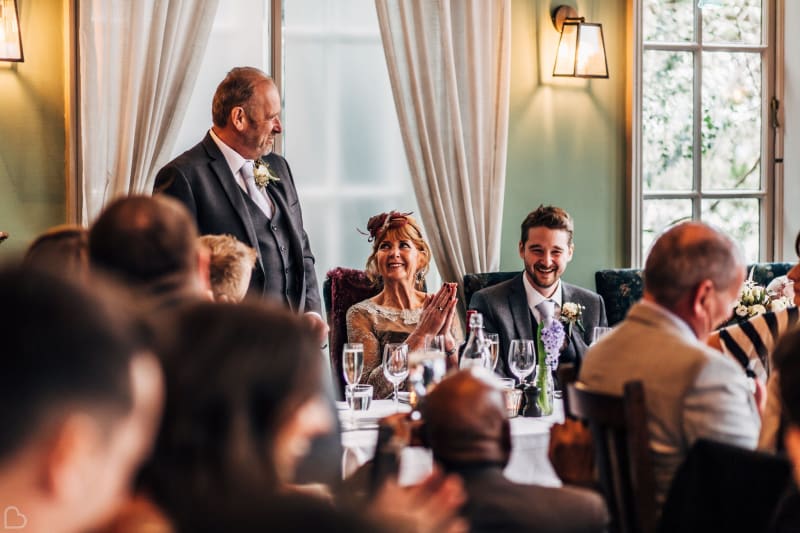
[{"x": 476, "y": 351}]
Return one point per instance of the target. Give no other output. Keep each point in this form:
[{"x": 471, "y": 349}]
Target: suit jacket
[
  {"x": 505, "y": 311},
  {"x": 496, "y": 504},
  {"x": 201, "y": 179},
  {"x": 691, "y": 391}
]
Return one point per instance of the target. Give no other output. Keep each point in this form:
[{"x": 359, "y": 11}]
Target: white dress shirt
[
  {"x": 235, "y": 162},
  {"x": 534, "y": 298}
]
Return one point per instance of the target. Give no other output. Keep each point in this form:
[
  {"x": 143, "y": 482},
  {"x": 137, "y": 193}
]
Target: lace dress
[{"x": 374, "y": 326}]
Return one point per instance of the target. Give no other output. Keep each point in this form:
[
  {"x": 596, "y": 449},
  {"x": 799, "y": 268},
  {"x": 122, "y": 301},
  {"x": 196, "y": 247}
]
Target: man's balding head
[
  {"x": 142, "y": 240},
  {"x": 466, "y": 422}
]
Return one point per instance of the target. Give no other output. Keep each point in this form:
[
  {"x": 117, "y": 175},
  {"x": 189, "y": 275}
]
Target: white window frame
[{"x": 770, "y": 133}]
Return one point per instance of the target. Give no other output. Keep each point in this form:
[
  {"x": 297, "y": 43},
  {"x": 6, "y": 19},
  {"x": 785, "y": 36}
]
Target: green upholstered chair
[{"x": 475, "y": 282}]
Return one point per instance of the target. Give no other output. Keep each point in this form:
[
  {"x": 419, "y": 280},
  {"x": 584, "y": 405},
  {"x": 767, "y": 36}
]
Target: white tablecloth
[{"x": 529, "y": 437}]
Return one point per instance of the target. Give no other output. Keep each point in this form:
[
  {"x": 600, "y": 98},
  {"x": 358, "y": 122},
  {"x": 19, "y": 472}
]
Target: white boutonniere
[
  {"x": 571, "y": 314},
  {"x": 263, "y": 174}
]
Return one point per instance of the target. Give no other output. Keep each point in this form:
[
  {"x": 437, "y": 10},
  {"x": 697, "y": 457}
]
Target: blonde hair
[
  {"x": 231, "y": 260},
  {"x": 409, "y": 231}
]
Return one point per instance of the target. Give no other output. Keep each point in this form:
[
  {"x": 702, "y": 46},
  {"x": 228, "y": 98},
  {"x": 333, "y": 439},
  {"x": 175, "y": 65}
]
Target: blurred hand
[
  {"x": 406, "y": 432},
  {"x": 318, "y": 327},
  {"x": 430, "y": 507},
  {"x": 760, "y": 394}
]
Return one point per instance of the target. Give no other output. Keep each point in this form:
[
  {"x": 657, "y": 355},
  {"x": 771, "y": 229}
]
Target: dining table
[{"x": 528, "y": 463}]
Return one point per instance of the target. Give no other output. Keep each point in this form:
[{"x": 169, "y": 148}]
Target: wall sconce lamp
[
  {"x": 10, "y": 37},
  {"x": 581, "y": 49}
]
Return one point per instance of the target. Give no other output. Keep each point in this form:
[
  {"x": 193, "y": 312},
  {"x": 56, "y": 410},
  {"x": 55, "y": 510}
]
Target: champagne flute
[
  {"x": 521, "y": 358},
  {"x": 494, "y": 350},
  {"x": 352, "y": 367},
  {"x": 395, "y": 366},
  {"x": 435, "y": 359}
]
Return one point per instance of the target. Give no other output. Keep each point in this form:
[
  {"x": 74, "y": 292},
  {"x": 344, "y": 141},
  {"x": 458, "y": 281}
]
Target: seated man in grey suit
[
  {"x": 466, "y": 427},
  {"x": 514, "y": 308},
  {"x": 692, "y": 276}
]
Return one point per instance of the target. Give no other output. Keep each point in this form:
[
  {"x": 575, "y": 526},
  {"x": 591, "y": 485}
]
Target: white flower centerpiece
[{"x": 755, "y": 300}]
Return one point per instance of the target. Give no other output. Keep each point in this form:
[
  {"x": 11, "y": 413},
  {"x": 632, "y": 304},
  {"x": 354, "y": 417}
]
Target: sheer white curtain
[
  {"x": 138, "y": 62},
  {"x": 449, "y": 65}
]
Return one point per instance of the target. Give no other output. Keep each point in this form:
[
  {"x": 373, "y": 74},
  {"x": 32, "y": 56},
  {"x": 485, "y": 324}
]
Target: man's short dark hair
[
  {"x": 685, "y": 255},
  {"x": 143, "y": 239},
  {"x": 547, "y": 216},
  {"x": 62, "y": 348}
]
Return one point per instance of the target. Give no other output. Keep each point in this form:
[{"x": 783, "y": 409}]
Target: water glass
[
  {"x": 359, "y": 397},
  {"x": 598, "y": 332},
  {"x": 395, "y": 366},
  {"x": 494, "y": 349},
  {"x": 521, "y": 358},
  {"x": 513, "y": 399}
]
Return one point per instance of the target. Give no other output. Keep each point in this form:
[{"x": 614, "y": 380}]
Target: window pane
[
  {"x": 739, "y": 218},
  {"x": 731, "y": 130},
  {"x": 668, "y": 20},
  {"x": 657, "y": 215},
  {"x": 732, "y": 21},
  {"x": 667, "y": 120}
]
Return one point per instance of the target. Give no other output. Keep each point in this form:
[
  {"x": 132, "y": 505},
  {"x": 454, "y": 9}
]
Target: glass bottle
[{"x": 476, "y": 351}]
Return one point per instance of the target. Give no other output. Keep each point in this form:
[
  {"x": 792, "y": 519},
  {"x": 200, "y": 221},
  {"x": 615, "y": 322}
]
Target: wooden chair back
[{"x": 622, "y": 453}]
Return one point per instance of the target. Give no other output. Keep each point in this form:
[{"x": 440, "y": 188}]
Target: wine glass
[
  {"x": 521, "y": 358},
  {"x": 395, "y": 366},
  {"x": 435, "y": 359},
  {"x": 352, "y": 365},
  {"x": 494, "y": 350}
]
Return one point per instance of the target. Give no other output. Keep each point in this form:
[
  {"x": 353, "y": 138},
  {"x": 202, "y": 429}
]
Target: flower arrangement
[
  {"x": 263, "y": 174},
  {"x": 549, "y": 340},
  {"x": 755, "y": 300},
  {"x": 571, "y": 314}
]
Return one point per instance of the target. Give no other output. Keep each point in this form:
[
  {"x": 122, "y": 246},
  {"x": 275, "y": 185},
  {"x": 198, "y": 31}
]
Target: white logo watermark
[{"x": 13, "y": 518}]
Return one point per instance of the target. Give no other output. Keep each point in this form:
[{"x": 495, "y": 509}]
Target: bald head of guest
[
  {"x": 466, "y": 422},
  {"x": 149, "y": 243},
  {"x": 694, "y": 271}
]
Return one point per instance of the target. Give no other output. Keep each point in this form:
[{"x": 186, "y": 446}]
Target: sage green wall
[
  {"x": 32, "y": 134},
  {"x": 566, "y": 142}
]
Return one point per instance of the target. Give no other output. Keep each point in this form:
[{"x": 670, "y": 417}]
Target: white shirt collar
[
  {"x": 534, "y": 297},
  {"x": 683, "y": 328},
  {"x": 232, "y": 157}
]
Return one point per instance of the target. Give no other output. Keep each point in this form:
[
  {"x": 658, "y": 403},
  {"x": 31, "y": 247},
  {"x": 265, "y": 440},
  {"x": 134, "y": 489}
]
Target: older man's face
[{"x": 263, "y": 119}]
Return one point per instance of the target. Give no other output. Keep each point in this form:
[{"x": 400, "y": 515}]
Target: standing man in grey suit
[
  {"x": 692, "y": 276},
  {"x": 232, "y": 183},
  {"x": 514, "y": 308}
]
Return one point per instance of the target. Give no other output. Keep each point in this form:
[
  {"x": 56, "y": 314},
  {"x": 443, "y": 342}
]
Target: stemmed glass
[
  {"x": 352, "y": 366},
  {"x": 395, "y": 366},
  {"x": 521, "y": 358}
]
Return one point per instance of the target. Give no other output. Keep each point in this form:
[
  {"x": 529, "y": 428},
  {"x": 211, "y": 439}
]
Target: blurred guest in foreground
[
  {"x": 753, "y": 341},
  {"x": 149, "y": 244},
  {"x": 787, "y": 364},
  {"x": 692, "y": 276},
  {"x": 466, "y": 426},
  {"x": 231, "y": 265},
  {"x": 244, "y": 402},
  {"x": 80, "y": 402},
  {"x": 402, "y": 311},
  {"x": 62, "y": 250}
]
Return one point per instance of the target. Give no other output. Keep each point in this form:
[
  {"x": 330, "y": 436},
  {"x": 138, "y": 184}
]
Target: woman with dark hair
[
  {"x": 244, "y": 400},
  {"x": 402, "y": 311}
]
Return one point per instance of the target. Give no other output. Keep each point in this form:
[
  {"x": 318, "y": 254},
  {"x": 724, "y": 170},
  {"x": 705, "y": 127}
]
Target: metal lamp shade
[{"x": 581, "y": 51}]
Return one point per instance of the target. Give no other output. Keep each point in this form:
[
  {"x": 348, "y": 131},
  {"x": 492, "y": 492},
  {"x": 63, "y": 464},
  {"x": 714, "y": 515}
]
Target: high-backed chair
[
  {"x": 622, "y": 287},
  {"x": 622, "y": 453},
  {"x": 475, "y": 282},
  {"x": 342, "y": 288}
]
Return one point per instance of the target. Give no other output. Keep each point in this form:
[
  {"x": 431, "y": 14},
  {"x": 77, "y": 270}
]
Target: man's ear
[
  {"x": 204, "y": 268},
  {"x": 237, "y": 118},
  {"x": 521, "y": 249},
  {"x": 700, "y": 295},
  {"x": 67, "y": 457}
]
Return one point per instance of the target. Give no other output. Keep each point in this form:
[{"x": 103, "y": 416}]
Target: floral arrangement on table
[
  {"x": 549, "y": 341},
  {"x": 263, "y": 174},
  {"x": 755, "y": 300},
  {"x": 571, "y": 314}
]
